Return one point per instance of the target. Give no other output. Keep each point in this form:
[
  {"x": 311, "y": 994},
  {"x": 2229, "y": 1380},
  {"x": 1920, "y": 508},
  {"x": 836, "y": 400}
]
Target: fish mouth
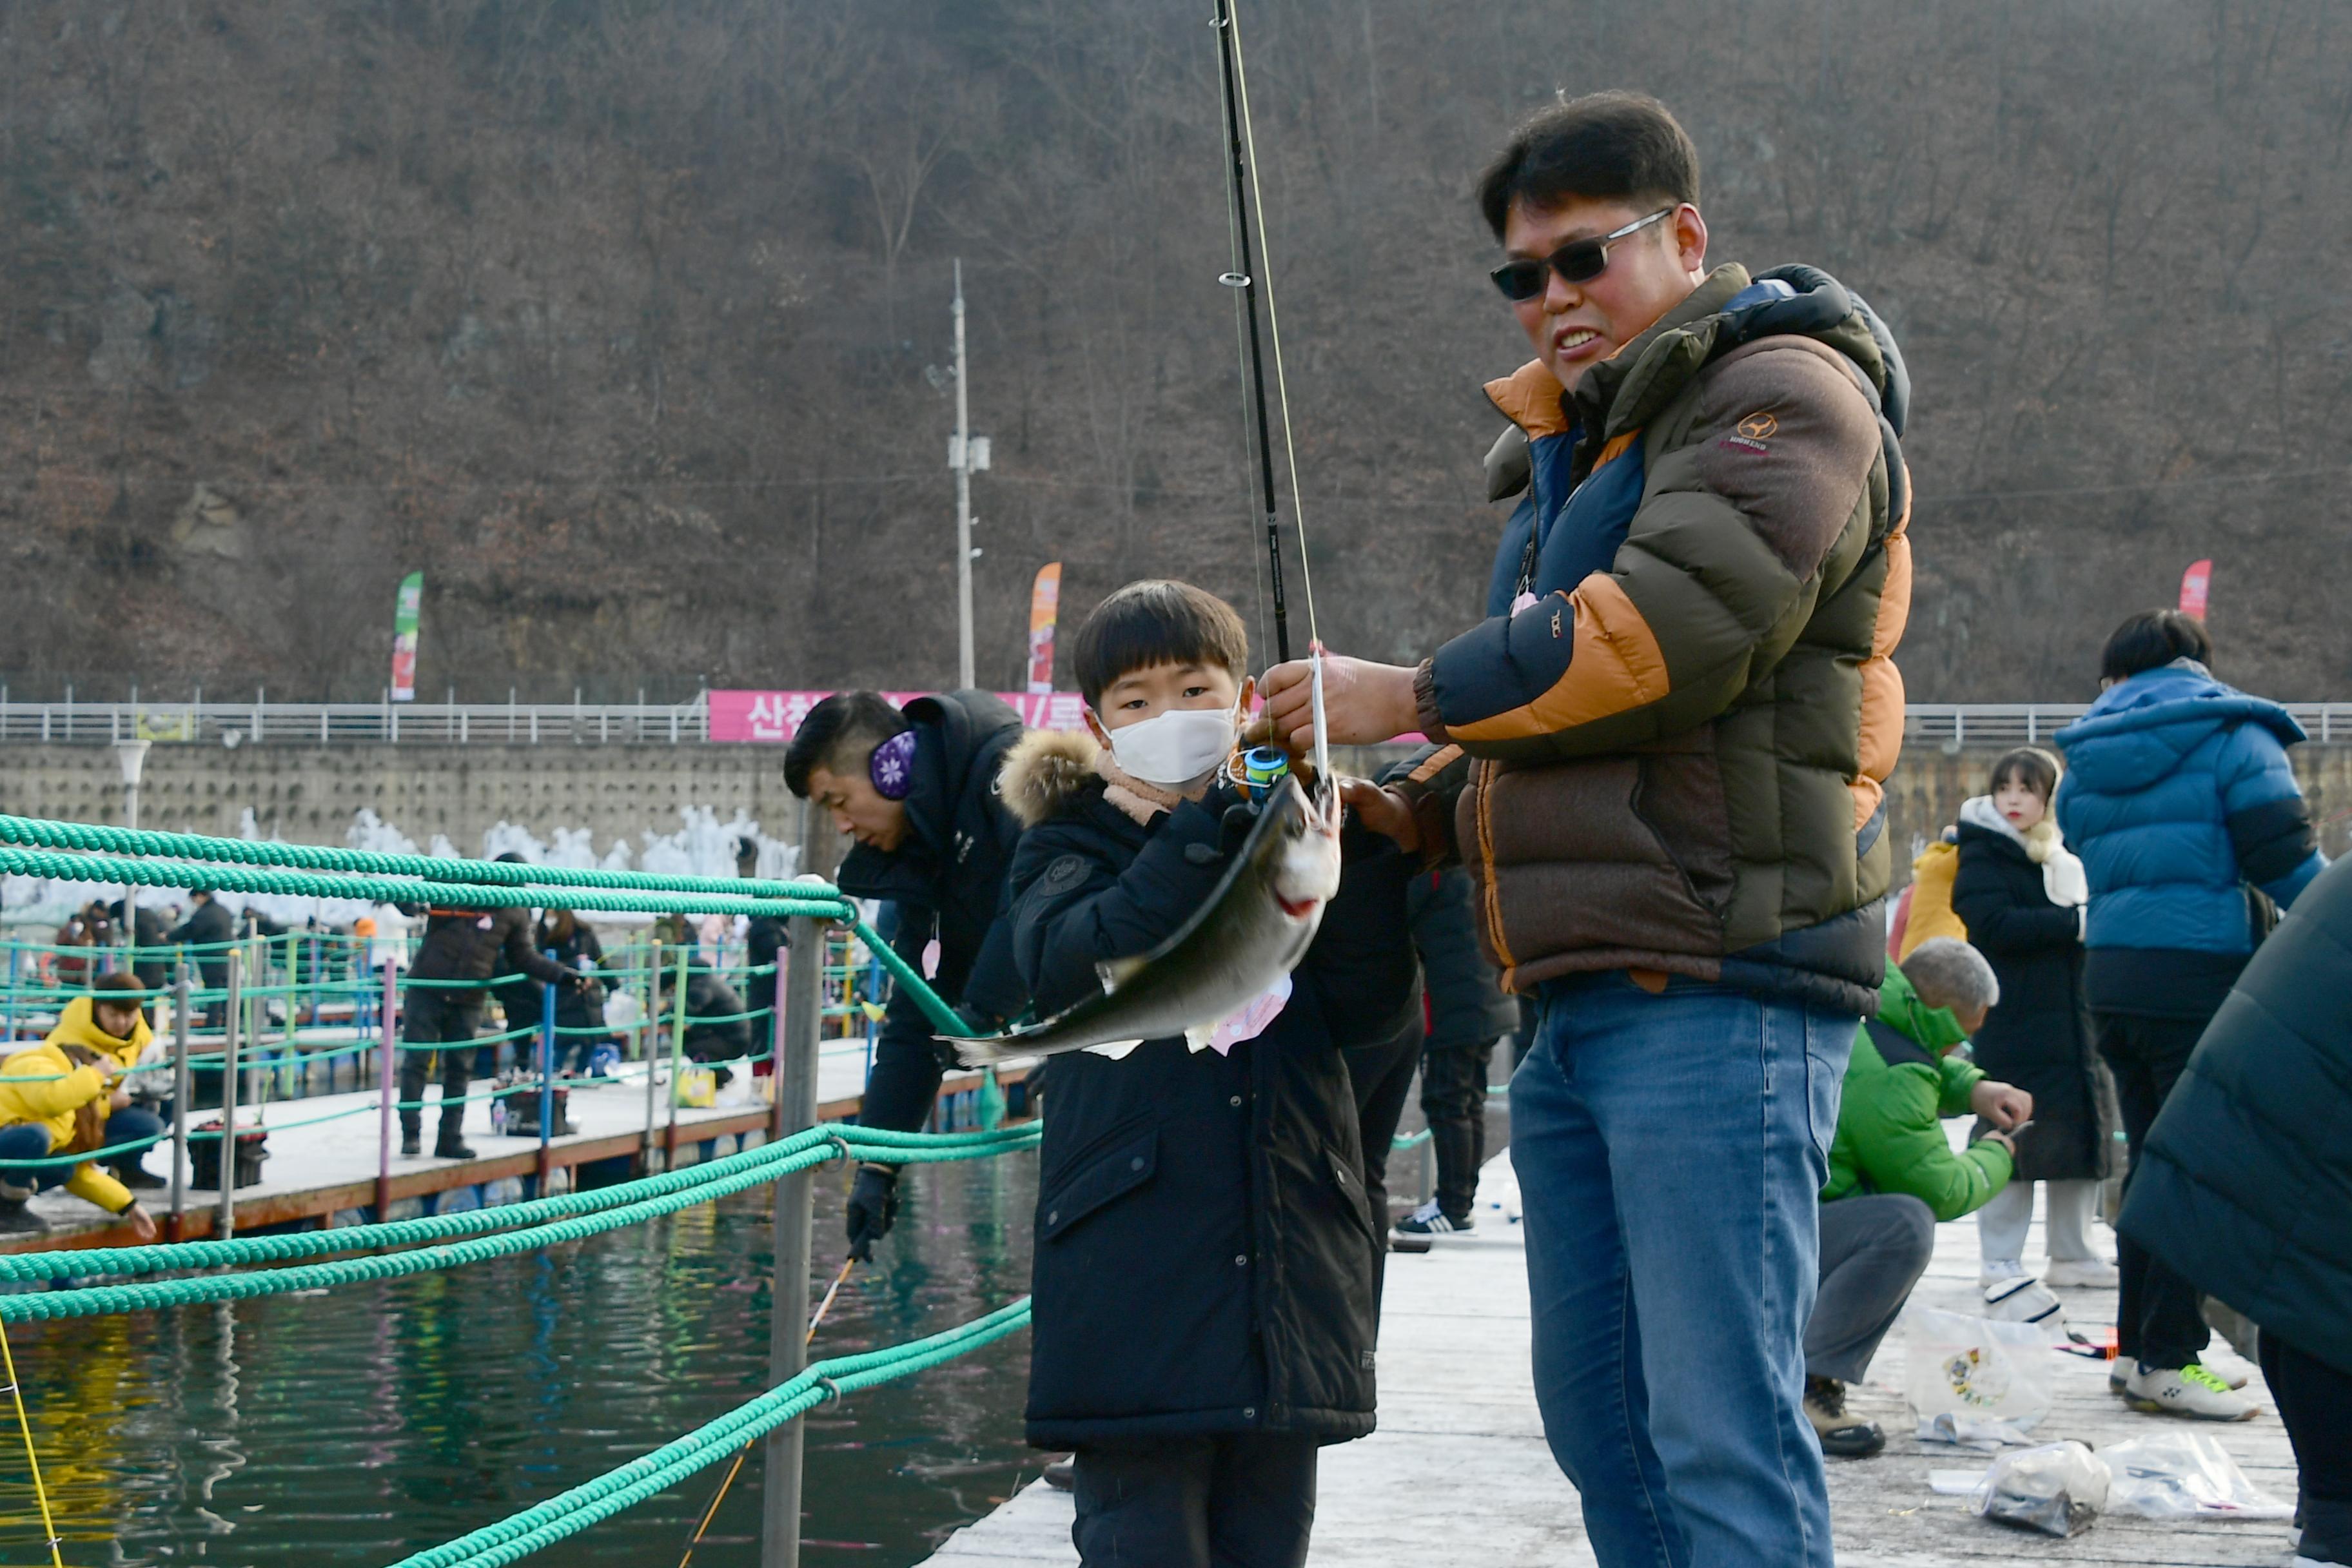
[{"x": 1297, "y": 908}]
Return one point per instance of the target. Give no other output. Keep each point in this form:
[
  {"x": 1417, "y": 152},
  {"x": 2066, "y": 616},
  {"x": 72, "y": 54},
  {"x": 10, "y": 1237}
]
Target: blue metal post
[
  {"x": 13, "y": 952},
  {"x": 546, "y": 1077}
]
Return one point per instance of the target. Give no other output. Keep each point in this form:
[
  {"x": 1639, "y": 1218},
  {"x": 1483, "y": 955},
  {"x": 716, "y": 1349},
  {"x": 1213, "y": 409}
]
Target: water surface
[{"x": 359, "y": 1425}]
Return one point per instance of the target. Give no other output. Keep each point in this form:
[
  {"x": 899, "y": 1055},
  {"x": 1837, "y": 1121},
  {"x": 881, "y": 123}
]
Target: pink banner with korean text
[{"x": 773, "y": 717}]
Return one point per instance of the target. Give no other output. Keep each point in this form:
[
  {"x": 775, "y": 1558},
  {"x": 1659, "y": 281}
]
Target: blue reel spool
[{"x": 1263, "y": 767}]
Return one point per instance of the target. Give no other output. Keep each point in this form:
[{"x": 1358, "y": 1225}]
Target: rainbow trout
[{"x": 1252, "y": 931}]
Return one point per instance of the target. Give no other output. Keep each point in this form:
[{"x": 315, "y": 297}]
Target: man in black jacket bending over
[
  {"x": 459, "y": 945},
  {"x": 917, "y": 789}
]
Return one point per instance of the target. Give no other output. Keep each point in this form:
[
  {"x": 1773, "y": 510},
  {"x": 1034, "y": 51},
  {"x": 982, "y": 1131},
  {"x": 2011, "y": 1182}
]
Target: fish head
[{"x": 1304, "y": 845}]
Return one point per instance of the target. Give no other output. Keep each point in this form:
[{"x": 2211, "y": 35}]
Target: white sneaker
[
  {"x": 1997, "y": 1269},
  {"x": 2081, "y": 1273},
  {"x": 2024, "y": 1300},
  {"x": 2192, "y": 1392}
]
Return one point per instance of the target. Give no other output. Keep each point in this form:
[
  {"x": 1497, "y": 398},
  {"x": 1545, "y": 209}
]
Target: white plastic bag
[
  {"x": 2183, "y": 1475},
  {"x": 2057, "y": 1489},
  {"x": 1974, "y": 1381}
]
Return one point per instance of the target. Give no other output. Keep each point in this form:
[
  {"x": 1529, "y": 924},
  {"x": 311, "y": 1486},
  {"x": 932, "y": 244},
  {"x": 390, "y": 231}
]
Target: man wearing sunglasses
[{"x": 1660, "y": 757}]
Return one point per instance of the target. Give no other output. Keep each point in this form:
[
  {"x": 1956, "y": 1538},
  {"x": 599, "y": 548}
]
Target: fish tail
[{"x": 984, "y": 1052}]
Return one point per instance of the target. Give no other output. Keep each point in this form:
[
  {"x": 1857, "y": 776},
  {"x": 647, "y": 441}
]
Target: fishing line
[
  {"x": 17, "y": 1392},
  {"x": 823, "y": 1306},
  {"x": 1282, "y": 394}
]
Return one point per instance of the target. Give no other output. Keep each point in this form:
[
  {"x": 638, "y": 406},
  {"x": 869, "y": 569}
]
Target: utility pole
[{"x": 966, "y": 454}]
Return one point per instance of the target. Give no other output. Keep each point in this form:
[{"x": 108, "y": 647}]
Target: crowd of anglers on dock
[{"x": 1645, "y": 844}]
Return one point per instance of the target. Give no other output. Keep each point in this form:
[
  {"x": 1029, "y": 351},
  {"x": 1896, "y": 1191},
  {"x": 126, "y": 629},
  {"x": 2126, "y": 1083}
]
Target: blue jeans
[{"x": 1670, "y": 1150}]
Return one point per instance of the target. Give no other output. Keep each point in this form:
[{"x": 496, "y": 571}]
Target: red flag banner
[
  {"x": 2195, "y": 582},
  {"x": 1044, "y": 605}
]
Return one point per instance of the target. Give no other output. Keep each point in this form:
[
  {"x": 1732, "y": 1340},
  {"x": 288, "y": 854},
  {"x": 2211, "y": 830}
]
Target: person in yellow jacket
[{"x": 64, "y": 1097}]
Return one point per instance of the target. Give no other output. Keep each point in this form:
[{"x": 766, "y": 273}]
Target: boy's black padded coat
[{"x": 1205, "y": 1256}]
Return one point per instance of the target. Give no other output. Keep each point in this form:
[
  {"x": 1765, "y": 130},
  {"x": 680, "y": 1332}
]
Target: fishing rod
[
  {"x": 1243, "y": 279},
  {"x": 1243, "y": 195},
  {"x": 744, "y": 1453}
]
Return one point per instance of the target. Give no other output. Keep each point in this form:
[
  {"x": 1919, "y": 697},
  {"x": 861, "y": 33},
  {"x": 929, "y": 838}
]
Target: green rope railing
[
  {"x": 543, "y": 1524},
  {"x": 806, "y": 899},
  {"x": 80, "y": 835},
  {"x": 782, "y": 1159},
  {"x": 156, "y": 1258}
]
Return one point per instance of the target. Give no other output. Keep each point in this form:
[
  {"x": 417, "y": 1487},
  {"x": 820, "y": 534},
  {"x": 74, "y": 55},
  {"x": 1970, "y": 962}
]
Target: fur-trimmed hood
[{"x": 1044, "y": 771}]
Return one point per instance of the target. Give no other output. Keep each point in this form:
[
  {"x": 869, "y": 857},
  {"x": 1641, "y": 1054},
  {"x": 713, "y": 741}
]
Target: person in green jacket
[{"x": 1894, "y": 1174}]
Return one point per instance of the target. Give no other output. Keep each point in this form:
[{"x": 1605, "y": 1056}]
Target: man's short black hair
[
  {"x": 2152, "y": 639},
  {"x": 1156, "y": 622},
  {"x": 838, "y": 735},
  {"x": 1606, "y": 146}
]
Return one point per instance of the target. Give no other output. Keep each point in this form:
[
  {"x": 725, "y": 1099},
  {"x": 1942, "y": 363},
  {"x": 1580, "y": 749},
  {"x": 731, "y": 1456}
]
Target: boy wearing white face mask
[{"x": 1202, "y": 1288}]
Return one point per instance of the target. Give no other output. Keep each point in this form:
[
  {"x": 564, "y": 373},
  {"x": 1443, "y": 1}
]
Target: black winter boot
[
  {"x": 449, "y": 1145},
  {"x": 16, "y": 1219}
]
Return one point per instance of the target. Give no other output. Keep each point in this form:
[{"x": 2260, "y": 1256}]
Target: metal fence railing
[
  {"x": 345, "y": 724},
  {"x": 688, "y": 723},
  {"x": 2031, "y": 723}
]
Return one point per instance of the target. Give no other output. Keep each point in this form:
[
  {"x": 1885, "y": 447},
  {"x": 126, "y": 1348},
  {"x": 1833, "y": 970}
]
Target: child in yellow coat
[{"x": 61, "y": 1097}]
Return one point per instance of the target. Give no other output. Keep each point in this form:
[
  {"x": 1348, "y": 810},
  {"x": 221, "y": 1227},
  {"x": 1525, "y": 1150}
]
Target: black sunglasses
[{"x": 1578, "y": 261}]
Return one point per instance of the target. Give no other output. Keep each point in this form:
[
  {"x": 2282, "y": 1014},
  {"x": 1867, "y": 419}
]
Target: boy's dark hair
[
  {"x": 2152, "y": 639},
  {"x": 120, "y": 988},
  {"x": 1605, "y": 145},
  {"x": 838, "y": 735},
  {"x": 2031, "y": 766},
  {"x": 1156, "y": 622}
]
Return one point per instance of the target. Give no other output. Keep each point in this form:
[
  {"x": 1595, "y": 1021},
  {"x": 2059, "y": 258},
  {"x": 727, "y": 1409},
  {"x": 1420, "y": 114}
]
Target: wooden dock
[
  {"x": 323, "y": 1152},
  {"x": 1458, "y": 1473}
]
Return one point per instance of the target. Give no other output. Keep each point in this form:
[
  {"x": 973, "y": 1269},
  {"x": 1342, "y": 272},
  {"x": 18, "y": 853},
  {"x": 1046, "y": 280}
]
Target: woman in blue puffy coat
[{"x": 2179, "y": 799}]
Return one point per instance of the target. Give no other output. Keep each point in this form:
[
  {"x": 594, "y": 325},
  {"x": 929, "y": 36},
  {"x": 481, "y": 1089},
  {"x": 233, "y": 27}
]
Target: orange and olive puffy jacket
[{"x": 1669, "y": 758}]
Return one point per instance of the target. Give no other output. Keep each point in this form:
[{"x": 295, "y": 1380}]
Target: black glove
[
  {"x": 873, "y": 1207},
  {"x": 573, "y": 980}
]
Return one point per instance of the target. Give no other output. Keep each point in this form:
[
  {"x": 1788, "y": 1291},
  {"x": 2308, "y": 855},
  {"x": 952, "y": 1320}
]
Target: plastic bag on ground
[
  {"x": 2057, "y": 1489},
  {"x": 2183, "y": 1475},
  {"x": 1975, "y": 1381}
]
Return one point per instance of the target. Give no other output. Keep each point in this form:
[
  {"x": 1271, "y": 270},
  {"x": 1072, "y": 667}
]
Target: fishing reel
[{"x": 1257, "y": 771}]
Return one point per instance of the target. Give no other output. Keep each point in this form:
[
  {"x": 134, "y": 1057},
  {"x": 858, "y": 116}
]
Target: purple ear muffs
[{"x": 892, "y": 766}]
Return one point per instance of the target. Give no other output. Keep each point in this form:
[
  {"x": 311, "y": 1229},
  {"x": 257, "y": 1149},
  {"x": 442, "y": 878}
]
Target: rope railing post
[
  {"x": 803, "y": 997},
  {"x": 648, "y": 1032},
  {"x": 180, "y": 1084},
  {"x": 677, "y": 1059},
  {"x": 779, "y": 1041},
  {"x": 546, "y": 1166},
  {"x": 232, "y": 1015},
  {"x": 384, "y": 1089}
]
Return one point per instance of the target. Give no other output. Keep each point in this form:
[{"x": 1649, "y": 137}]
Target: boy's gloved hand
[{"x": 873, "y": 1209}]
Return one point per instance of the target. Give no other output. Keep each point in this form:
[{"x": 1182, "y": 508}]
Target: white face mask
[{"x": 1174, "y": 748}]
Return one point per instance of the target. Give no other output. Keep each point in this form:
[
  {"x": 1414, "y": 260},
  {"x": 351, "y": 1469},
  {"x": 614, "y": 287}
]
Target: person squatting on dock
[
  {"x": 918, "y": 791},
  {"x": 1661, "y": 757},
  {"x": 442, "y": 1019},
  {"x": 1203, "y": 1278},
  {"x": 1893, "y": 1174},
  {"x": 68, "y": 1096}
]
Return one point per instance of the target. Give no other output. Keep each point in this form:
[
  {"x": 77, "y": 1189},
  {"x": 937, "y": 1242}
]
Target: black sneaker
[
  {"x": 139, "y": 1180},
  {"x": 1430, "y": 1220},
  {"x": 1842, "y": 1437},
  {"x": 411, "y": 1145},
  {"x": 16, "y": 1219},
  {"x": 451, "y": 1149}
]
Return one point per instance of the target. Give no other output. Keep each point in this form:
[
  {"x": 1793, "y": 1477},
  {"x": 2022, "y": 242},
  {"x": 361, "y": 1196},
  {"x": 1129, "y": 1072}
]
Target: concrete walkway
[{"x": 1458, "y": 1473}]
